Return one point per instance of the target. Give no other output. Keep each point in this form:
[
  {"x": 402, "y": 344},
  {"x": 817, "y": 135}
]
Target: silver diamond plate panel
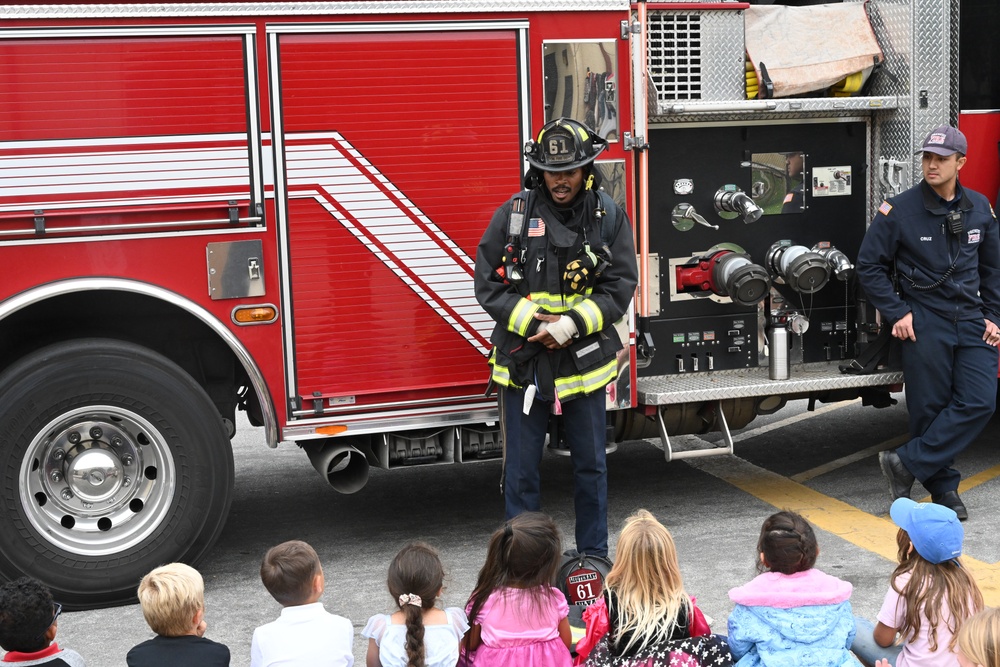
[
  {"x": 931, "y": 71},
  {"x": 790, "y": 107},
  {"x": 695, "y": 54},
  {"x": 892, "y": 133},
  {"x": 39, "y": 11},
  {"x": 914, "y": 91},
  {"x": 720, "y": 385}
]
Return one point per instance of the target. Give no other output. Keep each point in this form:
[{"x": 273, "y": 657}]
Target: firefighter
[
  {"x": 556, "y": 269},
  {"x": 942, "y": 243},
  {"x": 794, "y": 200}
]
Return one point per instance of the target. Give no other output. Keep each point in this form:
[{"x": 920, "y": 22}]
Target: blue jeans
[
  {"x": 524, "y": 439},
  {"x": 865, "y": 648}
]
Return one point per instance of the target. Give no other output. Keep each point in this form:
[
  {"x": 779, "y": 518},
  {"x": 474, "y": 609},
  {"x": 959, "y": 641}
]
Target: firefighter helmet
[{"x": 564, "y": 144}]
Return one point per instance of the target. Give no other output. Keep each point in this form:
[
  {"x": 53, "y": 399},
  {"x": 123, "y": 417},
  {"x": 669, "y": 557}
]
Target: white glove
[{"x": 562, "y": 329}]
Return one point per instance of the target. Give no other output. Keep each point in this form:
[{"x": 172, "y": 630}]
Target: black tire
[{"x": 113, "y": 461}]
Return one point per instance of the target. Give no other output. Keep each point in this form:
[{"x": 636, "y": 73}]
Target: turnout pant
[
  {"x": 524, "y": 439},
  {"x": 951, "y": 386}
]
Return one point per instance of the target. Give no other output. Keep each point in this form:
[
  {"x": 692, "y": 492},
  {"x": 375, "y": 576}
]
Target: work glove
[{"x": 580, "y": 273}]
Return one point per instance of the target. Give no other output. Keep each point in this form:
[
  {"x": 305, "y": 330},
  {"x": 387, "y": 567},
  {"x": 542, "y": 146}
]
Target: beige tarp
[{"x": 809, "y": 48}]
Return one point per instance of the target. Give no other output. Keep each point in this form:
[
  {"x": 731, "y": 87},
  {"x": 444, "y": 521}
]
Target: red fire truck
[
  {"x": 274, "y": 208},
  {"x": 979, "y": 95}
]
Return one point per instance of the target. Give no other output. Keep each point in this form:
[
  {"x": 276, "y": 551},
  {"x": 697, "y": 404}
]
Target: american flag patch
[
  {"x": 885, "y": 208},
  {"x": 536, "y": 227}
]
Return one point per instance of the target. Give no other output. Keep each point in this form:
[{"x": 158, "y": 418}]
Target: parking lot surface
[{"x": 822, "y": 464}]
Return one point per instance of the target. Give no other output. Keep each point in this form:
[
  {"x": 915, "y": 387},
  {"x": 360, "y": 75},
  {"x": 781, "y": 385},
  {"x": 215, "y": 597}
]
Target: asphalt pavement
[{"x": 820, "y": 463}]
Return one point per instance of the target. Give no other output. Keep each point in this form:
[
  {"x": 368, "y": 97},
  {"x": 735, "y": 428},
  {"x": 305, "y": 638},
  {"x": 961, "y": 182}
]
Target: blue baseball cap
[
  {"x": 945, "y": 141},
  {"x": 934, "y": 529}
]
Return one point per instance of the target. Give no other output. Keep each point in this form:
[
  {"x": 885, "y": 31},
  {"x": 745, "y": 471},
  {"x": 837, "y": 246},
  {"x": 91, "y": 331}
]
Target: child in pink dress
[{"x": 517, "y": 617}]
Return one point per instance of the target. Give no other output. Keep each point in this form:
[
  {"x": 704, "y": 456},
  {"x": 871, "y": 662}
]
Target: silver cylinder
[{"x": 778, "y": 362}]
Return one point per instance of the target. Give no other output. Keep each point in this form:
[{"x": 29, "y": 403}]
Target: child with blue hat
[{"x": 930, "y": 593}]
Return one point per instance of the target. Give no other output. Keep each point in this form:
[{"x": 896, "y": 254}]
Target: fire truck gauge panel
[{"x": 683, "y": 186}]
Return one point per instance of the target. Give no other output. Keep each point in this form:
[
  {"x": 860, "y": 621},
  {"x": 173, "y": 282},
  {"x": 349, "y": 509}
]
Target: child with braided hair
[
  {"x": 419, "y": 634},
  {"x": 791, "y": 614}
]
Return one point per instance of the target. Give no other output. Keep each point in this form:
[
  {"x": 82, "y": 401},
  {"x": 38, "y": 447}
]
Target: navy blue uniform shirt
[{"x": 912, "y": 230}]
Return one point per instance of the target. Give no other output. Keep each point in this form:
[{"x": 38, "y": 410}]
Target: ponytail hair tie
[
  {"x": 410, "y": 598},
  {"x": 507, "y": 530}
]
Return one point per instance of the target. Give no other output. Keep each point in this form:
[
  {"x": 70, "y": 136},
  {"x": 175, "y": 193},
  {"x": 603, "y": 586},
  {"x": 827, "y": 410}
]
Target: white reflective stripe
[
  {"x": 521, "y": 317},
  {"x": 501, "y": 375},
  {"x": 97, "y": 175},
  {"x": 591, "y": 315},
  {"x": 588, "y": 383},
  {"x": 327, "y": 168}
]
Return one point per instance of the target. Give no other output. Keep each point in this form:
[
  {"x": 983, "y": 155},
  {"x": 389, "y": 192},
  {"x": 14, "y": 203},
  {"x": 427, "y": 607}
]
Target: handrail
[
  {"x": 105, "y": 209},
  {"x": 128, "y": 227}
]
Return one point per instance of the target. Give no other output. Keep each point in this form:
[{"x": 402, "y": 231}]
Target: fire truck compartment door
[{"x": 397, "y": 149}]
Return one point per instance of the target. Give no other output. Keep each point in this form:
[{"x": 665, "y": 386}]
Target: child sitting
[
  {"x": 419, "y": 634},
  {"x": 173, "y": 603},
  {"x": 305, "y": 635},
  {"x": 28, "y": 625},
  {"x": 792, "y": 614},
  {"x": 517, "y": 616},
  {"x": 979, "y": 640},
  {"x": 647, "y": 611},
  {"x": 930, "y": 593}
]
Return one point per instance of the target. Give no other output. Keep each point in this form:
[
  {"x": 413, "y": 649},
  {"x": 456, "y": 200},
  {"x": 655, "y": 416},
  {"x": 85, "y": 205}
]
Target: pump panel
[{"x": 752, "y": 222}]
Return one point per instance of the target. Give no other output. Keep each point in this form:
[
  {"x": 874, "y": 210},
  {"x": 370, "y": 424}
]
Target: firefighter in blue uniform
[
  {"x": 556, "y": 269},
  {"x": 942, "y": 242}
]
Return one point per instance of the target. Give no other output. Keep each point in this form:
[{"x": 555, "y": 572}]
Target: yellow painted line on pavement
[
  {"x": 849, "y": 459},
  {"x": 872, "y": 533},
  {"x": 973, "y": 481}
]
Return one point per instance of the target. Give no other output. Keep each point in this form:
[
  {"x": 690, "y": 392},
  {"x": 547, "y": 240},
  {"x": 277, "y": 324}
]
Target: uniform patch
[
  {"x": 973, "y": 236},
  {"x": 536, "y": 227},
  {"x": 788, "y": 198},
  {"x": 885, "y": 208}
]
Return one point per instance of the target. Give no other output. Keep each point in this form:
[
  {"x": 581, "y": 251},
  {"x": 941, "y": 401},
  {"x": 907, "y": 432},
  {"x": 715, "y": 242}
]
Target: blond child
[
  {"x": 173, "y": 603},
  {"x": 979, "y": 640},
  {"x": 305, "y": 635}
]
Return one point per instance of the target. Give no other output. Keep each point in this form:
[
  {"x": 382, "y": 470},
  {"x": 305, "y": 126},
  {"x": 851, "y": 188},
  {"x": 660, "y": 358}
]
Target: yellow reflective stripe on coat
[
  {"x": 591, "y": 316},
  {"x": 587, "y": 383},
  {"x": 500, "y": 374},
  {"x": 522, "y": 316},
  {"x": 558, "y": 303}
]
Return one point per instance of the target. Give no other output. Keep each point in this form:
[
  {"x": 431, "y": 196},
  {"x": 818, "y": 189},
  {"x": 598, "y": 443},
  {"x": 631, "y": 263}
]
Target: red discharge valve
[{"x": 724, "y": 273}]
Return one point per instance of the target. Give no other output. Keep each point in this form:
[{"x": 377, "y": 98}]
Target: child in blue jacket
[{"x": 791, "y": 615}]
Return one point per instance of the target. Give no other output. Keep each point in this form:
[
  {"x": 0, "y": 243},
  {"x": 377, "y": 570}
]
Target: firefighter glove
[{"x": 580, "y": 273}]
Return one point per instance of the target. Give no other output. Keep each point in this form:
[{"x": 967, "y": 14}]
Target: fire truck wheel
[{"x": 113, "y": 461}]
